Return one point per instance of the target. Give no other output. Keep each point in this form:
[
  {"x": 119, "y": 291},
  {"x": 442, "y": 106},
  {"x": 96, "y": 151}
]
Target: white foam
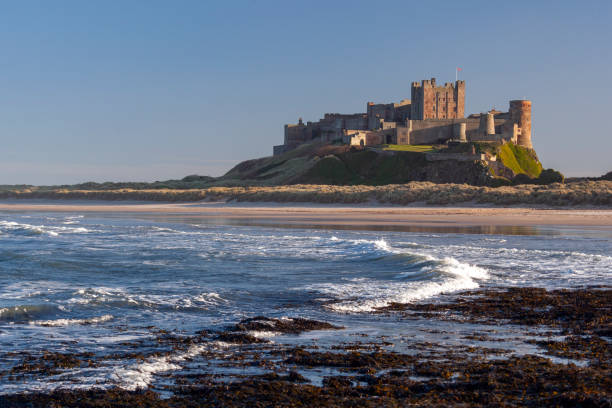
[
  {"x": 549, "y": 268},
  {"x": 140, "y": 375},
  {"x": 69, "y": 322},
  {"x": 155, "y": 263},
  {"x": 25, "y": 312},
  {"x": 209, "y": 298},
  {"x": 263, "y": 334},
  {"x": 170, "y": 230},
  {"x": 365, "y": 295},
  {"x": 53, "y": 231},
  {"x": 101, "y": 295}
]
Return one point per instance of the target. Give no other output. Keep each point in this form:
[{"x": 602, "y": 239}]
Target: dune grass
[{"x": 557, "y": 194}]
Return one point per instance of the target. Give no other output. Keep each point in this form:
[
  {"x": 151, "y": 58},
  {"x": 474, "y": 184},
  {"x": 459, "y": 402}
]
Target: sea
[{"x": 105, "y": 284}]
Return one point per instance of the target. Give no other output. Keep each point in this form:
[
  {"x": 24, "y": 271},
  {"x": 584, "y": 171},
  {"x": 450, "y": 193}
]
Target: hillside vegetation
[
  {"x": 520, "y": 160},
  {"x": 345, "y": 174},
  {"x": 346, "y": 165},
  {"x": 318, "y": 163},
  {"x": 557, "y": 194},
  {"x": 410, "y": 148}
]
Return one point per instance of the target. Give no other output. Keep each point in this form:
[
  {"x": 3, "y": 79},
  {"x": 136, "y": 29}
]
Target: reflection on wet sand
[{"x": 445, "y": 229}]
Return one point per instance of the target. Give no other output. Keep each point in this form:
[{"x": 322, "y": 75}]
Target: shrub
[
  {"x": 522, "y": 178},
  {"x": 549, "y": 176},
  {"x": 500, "y": 181}
]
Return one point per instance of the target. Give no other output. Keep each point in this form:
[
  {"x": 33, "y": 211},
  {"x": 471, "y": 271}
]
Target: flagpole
[{"x": 456, "y": 74}]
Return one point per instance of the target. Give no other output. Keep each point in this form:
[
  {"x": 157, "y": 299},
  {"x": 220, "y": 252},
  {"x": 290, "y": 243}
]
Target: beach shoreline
[{"x": 335, "y": 214}]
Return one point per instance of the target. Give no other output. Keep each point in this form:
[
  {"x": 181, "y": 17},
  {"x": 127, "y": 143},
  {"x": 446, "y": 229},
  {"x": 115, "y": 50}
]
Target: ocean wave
[
  {"x": 168, "y": 230},
  {"x": 263, "y": 334},
  {"x": 70, "y": 322},
  {"x": 72, "y": 219},
  {"x": 24, "y": 313},
  {"x": 29, "y": 229},
  {"x": 549, "y": 268},
  {"x": 528, "y": 253},
  {"x": 140, "y": 375},
  {"x": 427, "y": 277},
  {"x": 119, "y": 297}
]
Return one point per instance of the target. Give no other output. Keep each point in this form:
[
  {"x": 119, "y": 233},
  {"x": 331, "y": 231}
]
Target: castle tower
[
  {"x": 430, "y": 101},
  {"x": 459, "y": 131},
  {"x": 459, "y": 99},
  {"x": 520, "y": 113},
  {"x": 490, "y": 124}
]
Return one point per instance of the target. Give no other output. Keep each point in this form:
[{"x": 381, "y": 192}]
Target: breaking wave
[
  {"x": 70, "y": 322},
  {"x": 29, "y": 229},
  {"x": 23, "y": 313},
  {"x": 140, "y": 375},
  {"x": 424, "y": 277},
  {"x": 119, "y": 297}
]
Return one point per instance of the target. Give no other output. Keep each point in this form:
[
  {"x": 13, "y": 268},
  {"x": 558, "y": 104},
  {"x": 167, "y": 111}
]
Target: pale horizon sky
[{"x": 155, "y": 90}]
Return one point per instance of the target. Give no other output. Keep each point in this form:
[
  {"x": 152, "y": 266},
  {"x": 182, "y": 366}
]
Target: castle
[{"x": 433, "y": 115}]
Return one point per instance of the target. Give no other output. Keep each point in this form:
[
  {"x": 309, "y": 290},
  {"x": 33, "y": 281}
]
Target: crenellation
[{"x": 433, "y": 115}]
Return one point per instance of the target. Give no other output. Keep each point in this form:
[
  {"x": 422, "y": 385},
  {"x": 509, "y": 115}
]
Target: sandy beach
[{"x": 340, "y": 215}]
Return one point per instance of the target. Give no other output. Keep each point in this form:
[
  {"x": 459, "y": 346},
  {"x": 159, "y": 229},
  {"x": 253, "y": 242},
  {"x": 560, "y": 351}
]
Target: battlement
[
  {"x": 520, "y": 102},
  {"x": 430, "y": 101},
  {"x": 431, "y": 83},
  {"x": 434, "y": 113}
]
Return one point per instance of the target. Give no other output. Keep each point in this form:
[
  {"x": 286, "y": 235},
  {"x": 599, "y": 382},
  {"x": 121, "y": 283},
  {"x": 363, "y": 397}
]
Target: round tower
[
  {"x": 520, "y": 113},
  {"x": 462, "y": 136},
  {"x": 459, "y": 132},
  {"x": 490, "y": 123}
]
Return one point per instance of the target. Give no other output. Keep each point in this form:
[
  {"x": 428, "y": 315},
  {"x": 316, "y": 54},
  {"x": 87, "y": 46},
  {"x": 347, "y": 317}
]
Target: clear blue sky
[{"x": 151, "y": 90}]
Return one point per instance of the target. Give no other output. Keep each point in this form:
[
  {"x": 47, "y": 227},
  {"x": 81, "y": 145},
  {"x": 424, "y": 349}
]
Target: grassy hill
[
  {"x": 346, "y": 165},
  {"x": 341, "y": 174},
  {"x": 319, "y": 163},
  {"x": 391, "y": 164}
]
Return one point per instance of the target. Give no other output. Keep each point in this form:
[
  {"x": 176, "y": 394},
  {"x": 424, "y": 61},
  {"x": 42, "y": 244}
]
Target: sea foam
[{"x": 437, "y": 276}]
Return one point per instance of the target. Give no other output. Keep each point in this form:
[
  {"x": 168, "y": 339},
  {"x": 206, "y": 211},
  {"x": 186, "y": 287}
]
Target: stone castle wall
[
  {"x": 520, "y": 113},
  {"x": 430, "y": 101},
  {"x": 434, "y": 115}
]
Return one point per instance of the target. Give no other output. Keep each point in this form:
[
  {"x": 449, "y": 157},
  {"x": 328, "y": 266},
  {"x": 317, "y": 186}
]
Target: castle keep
[{"x": 434, "y": 115}]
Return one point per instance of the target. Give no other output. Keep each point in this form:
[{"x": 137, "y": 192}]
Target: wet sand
[{"x": 338, "y": 215}]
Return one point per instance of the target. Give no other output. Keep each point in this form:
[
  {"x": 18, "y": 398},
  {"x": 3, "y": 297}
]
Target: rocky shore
[{"x": 557, "y": 353}]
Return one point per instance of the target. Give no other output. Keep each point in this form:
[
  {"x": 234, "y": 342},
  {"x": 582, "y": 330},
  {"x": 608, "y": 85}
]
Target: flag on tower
[{"x": 457, "y": 73}]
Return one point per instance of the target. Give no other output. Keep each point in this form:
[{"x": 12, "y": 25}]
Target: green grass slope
[
  {"x": 410, "y": 148},
  {"x": 273, "y": 170},
  {"x": 520, "y": 160},
  {"x": 346, "y": 165},
  {"x": 379, "y": 168}
]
